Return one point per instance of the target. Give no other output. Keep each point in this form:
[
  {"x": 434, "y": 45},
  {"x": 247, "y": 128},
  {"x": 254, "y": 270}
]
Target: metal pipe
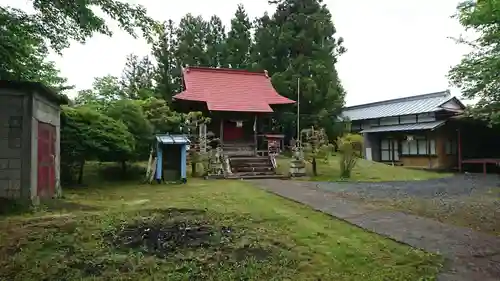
[{"x": 298, "y": 112}]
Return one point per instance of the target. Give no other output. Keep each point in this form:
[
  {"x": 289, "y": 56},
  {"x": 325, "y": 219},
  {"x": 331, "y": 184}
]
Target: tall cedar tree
[
  {"x": 168, "y": 76},
  {"x": 191, "y": 36},
  {"x": 477, "y": 75},
  {"x": 239, "y": 40},
  {"x": 263, "y": 49},
  {"x": 306, "y": 48},
  {"x": 137, "y": 77},
  {"x": 216, "y": 43}
]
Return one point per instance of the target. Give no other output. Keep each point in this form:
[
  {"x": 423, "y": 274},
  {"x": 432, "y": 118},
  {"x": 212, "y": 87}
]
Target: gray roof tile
[
  {"x": 405, "y": 127},
  {"x": 402, "y": 106}
]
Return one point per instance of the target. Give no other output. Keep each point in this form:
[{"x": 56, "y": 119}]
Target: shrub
[
  {"x": 316, "y": 147},
  {"x": 350, "y": 147}
]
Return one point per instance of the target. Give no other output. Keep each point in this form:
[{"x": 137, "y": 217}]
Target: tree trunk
[
  {"x": 80, "y": 171},
  {"x": 124, "y": 167},
  {"x": 193, "y": 169},
  {"x": 315, "y": 171}
]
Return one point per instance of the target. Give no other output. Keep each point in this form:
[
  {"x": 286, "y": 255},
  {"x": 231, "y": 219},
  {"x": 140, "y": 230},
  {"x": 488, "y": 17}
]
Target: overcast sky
[{"x": 396, "y": 48}]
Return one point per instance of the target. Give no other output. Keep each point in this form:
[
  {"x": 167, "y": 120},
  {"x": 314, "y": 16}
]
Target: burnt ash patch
[
  {"x": 163, "y": 239},
  {"x": 175, "y": 230}
]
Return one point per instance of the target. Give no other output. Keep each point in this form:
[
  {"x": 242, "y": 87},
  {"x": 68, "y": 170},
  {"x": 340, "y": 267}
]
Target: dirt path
[{"x": 471, "y": 255}]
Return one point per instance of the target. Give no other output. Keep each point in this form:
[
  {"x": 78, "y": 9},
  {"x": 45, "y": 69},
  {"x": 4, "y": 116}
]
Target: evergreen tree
[
  {"x": 263, "y": 49},
  {"x": 239, "y": 41},
  {"x": 306, "y": 48},
  {"x": 137, "y": 78},
  {"x": 216, "y": 43},
  {"x": 191, "y": 36},
  {"x": 168, "y": 73}
]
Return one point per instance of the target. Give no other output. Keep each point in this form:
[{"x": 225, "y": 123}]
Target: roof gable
[
  {"x": 453, "y": 104},
  {"x": 230, "y": 89},
  {"x": 404, "y": 106}
]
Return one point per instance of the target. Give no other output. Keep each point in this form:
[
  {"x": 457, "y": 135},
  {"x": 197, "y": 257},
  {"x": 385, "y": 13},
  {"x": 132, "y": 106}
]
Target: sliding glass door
[{"x": 389, "y": 150}]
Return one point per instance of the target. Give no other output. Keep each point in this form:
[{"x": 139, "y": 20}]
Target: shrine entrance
[{"x": 233, "y": 131}]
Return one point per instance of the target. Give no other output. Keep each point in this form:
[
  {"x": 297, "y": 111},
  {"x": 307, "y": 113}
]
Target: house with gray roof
[{"x": 416, "y": 131}]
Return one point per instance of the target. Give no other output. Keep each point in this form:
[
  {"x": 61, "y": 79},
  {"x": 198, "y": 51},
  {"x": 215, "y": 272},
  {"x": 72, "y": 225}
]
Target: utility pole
[{"x": 298, "y": 112}]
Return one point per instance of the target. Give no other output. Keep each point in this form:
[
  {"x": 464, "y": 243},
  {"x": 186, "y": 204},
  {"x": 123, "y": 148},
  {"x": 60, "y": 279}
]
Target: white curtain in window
[
  {"x": 384, "y": 144},
  {"x": 405, "y": 149},
  {"x": 385, "y": 155},
  {"x": 413, "y": 147},
  {"x": 432, "y": 146},
  {"x": 422, "y": 147}
]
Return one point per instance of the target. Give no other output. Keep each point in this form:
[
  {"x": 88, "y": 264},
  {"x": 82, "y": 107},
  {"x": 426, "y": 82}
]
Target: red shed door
[{"x": 46, "y": 160}]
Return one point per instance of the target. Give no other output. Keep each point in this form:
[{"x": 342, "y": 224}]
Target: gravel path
[
  {"x": 471, "y": 255},
  {"x": 455, "y": 186}
]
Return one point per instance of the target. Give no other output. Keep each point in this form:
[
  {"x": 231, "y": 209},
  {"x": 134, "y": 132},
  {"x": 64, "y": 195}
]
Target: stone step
[
  {"x": 251, "y": 176},
  {"x": 240, "y": 153},
  {"x": 249, "y": 158},
  {"x": 239, "y": 143},
  {"x": 257, "y": 169},
  {"x": 250, "y": 165},
  {"x": 238, "y": 147},
  {"x": 231, "y": 147},
  {"x": 256, "y": 173}
]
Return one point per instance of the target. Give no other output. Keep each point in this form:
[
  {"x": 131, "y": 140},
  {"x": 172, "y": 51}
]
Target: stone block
[
  {"x": 4, "y": 164},
  {"x": 14, "y": 163},
  {"x": 15, "y": 185},
  {"x": 4, "y": 188},
  {"x": 14, "y": 174},
  {"x": 14, "y": 194},
  {"x": 4, "y": 131},
  {"x": 14, "y": 143},
  {"x": 7, "y": 152}
]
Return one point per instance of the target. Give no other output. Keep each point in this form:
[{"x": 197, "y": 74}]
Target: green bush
[{"x": 350, "y": 147}]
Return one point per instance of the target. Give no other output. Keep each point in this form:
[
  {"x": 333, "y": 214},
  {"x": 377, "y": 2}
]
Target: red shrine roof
[{"x": 226, "y": 89}]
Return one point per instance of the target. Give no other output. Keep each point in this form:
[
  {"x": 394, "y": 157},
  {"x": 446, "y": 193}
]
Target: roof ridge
[
  {"x": 224, "y": 70},
  {"x": 396, "y": 100}
]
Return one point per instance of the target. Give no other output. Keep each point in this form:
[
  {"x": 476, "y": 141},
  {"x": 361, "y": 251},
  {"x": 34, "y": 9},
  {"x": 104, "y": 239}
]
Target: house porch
[{"x": 428, "y": 149}]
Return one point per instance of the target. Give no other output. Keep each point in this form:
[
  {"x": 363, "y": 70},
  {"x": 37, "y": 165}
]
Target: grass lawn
[
  {"x": 205, "y": 230},
  {"x": 363, "y": 171}
]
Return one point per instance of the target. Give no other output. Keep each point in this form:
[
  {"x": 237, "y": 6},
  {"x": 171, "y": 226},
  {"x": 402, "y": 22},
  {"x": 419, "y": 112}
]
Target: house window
[
  {"x": 451, "y": 147},
  {"x": 356, "y": 126},
  {"x": 374, "y": 122},
  {"x": 426, "y": 117},
  {"x": 418, "y": 146},
  {"x": 408, "y": 119},
  {"x": 389, "y": 121}
]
